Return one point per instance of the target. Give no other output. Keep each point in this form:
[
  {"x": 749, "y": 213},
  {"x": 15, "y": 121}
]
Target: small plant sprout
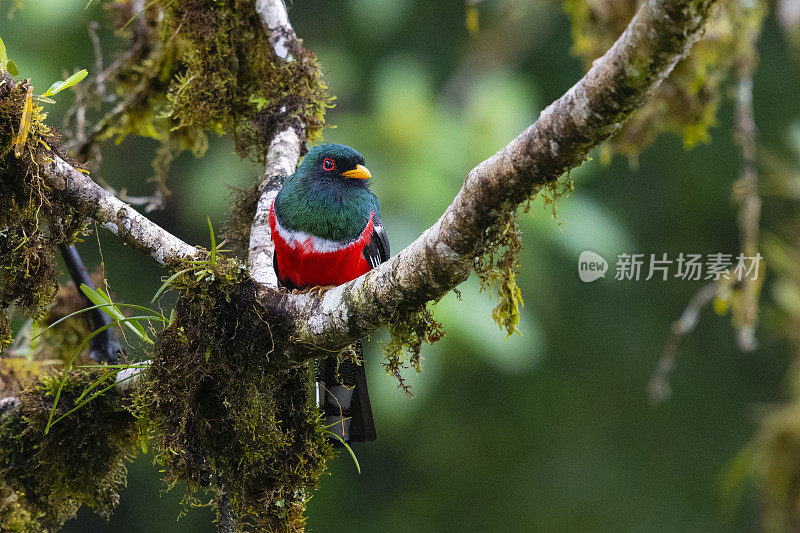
[
  {"x": 59, "y": 86},
  {"x": 27, "y": 108},
  {"x": 102, "y": 301},
  {"x": 202, "y": 268}
]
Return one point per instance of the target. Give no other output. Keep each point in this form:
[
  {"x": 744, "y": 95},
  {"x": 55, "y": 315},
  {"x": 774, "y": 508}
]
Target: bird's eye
[{"x": 328, "y": 164}]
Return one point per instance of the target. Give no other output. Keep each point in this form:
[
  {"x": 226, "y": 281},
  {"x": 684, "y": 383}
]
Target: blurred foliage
[
  {"x": 550, "y": 430},
  {"x": 686, "y": 103},
  {"x": 776, "y": 447}
]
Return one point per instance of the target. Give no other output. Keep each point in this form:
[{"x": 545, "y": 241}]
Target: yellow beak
[{"x": 360, "y": 172}]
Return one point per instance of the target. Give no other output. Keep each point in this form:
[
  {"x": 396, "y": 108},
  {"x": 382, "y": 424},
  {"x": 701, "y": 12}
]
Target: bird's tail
[{"x": 343, "y": 396}]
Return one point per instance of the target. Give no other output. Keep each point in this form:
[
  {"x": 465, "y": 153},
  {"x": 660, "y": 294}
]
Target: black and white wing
[{"x": 377, "y": 250}]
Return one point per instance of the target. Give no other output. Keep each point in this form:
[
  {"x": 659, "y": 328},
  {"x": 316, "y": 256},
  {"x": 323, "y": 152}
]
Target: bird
[{"x": 327, "y": 229}]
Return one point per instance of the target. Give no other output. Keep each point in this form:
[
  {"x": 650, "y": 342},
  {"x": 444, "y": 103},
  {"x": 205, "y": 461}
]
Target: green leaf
[
  {"x": 168, "y": 282},
  {"x": 3, "y": 54},
  {"x": 11, "y": 67},
  {"x": 59, "y": 86},
  {"x": 99, "y": 297},
  {"x": 156, "y": 315},
  {"x": 213, "y": 243},
  {"x": 347, "y": 447}
]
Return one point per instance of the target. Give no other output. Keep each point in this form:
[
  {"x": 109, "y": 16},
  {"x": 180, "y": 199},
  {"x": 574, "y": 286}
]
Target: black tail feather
[{"x": 343, "y": 395}]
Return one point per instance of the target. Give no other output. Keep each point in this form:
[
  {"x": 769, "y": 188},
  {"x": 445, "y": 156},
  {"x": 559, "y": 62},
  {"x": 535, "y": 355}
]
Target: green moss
[
  {"x": 231, "y": 81},
  {"x": 6, "y": 337},
  {"x": 497, "y": 267},
  {"x": 407, "y": 334},
  {"x": 45, "y": 478},
  {"x": 33, "y": 218},
  {"x": 240, "y": 219},
  {"x": 211, "y": 69},
  {"x": 222, "y": 412}
]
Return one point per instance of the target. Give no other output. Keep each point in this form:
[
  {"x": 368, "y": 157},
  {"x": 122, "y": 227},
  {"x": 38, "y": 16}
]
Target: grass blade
[
  {"x": 95, "y": 395},
  {"x": 348, "y": 448},
  {"x": 100, "y": 297},
  {"x": 156, "y": 315},
  {"x": 167, "y": 283},
  {"x": 213, "y": 243},
  {"x": 67, "y": 367}
]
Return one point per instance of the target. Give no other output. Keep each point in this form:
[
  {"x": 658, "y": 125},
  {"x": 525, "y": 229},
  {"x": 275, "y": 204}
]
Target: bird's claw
[
  {"x": 319, "y": 289},
  {"x": 322, "y": 289}
]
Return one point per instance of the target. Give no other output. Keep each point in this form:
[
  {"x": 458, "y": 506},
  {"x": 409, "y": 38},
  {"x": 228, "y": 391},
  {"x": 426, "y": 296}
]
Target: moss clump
[
  {"x": 686, "y": 102},
  {"x": 45, "y": 478},
  {"x": 211, "y": 68},
  {"x": 6, "y": 337},
  {"x": 408, "y": 332},
  {"x": 33, "y": 218},
  {"x": 231, "y": 81},
  {"x": 497, "y": 267},
  {"x": 222, "y": 412}
]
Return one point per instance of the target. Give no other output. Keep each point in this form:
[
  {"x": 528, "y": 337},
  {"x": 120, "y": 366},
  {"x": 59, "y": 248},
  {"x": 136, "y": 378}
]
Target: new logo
[{"x": 591, "y": 266}]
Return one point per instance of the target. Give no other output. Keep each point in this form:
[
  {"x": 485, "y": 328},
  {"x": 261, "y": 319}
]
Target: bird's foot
[{"x": 319, "y": 289}]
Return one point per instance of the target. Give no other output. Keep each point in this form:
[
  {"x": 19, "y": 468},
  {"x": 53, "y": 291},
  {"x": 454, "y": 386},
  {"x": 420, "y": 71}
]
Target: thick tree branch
[
  {"x": 661, "y": 33},
  {"x": 284, "y": 149},
  {"x": 284, "y": 152},
  {"x": 118, "y": 217}
]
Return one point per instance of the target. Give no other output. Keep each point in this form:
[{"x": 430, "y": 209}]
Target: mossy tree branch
[
  {"x": 661, "y": 33},
  {"x": 284, "y": 149},
  {"x": 117, "y": 216}
]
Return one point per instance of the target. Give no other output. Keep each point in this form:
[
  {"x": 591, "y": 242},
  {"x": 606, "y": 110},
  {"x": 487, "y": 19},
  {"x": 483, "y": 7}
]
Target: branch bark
[
  {"x": 282, "y": 157},
  {"x": 116, "y": 216},
  {"x": 280, "y": 33},
  {"x": 284, "y": 149}
]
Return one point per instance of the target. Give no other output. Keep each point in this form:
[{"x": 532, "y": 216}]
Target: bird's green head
[
  {"x": 334, "y": 163},
  {"x": 328, "y": 196}
]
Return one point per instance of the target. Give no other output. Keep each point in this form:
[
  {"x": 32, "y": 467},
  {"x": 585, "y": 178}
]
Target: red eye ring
[{"x": 328, "y": 164}]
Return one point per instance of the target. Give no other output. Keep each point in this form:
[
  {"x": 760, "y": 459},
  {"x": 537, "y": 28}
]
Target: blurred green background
[{"x": 551, "y": 430}]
